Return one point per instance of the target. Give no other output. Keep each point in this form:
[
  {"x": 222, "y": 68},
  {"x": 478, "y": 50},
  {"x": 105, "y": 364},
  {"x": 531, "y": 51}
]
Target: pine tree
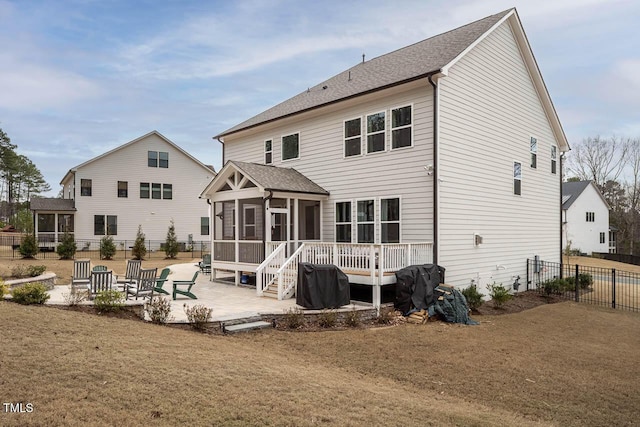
[
  {"x": 107, "y": 247},
  {"x": 139, "y": 250},
  {"x": 171, "y": 244},
  {"x": 28, "y": 246},
  {"x": 67, "y": 247}
]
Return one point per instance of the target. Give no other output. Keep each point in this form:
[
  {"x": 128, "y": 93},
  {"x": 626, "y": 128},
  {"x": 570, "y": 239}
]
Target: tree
[
  {"x": 139, "y": 250},
  {"x": 598, "y": 159},
  {"x": 23, "y": 221},
  {"x": 28, "y": 246},
  {"x": 107, "y": 247},
  {"x": 67, "y": 247},
  {"x": 171, "y": 243}
]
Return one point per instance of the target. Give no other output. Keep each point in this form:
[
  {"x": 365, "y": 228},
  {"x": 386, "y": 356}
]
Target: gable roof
[
  {"x": 572, "y": 190},
  {"x": 269, "y": 178},
  {"x": 51, "y": 204},
  {"x": 153, "y": 132},
  {"x": 429, "y": 57}
]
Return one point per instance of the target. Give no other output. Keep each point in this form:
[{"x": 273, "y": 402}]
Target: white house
[
  {"x": 445, "y": 151},
  {"x": 585, "y": 218},
  {"x": 148, "y": 181}
]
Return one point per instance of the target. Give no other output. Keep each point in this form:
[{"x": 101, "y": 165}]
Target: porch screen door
[{"x": 278, "y": 225}]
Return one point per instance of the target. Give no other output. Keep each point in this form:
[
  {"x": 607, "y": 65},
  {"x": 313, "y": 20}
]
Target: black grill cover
[
  {"x": 415, "y": 285},
  {"x": 321, "y": 286}
]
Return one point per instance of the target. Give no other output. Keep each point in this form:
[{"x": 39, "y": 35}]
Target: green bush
[
  {"x": 327, "y": 318},
  {"x": 159, "y": 310},
  {"x": 473, "y": 297},
  {"x": 557, "y": 286},
  {"x": 352, "y": 318},
  {"x": 67, "y": 247},
  {"x": 36, "y": 270},
  {"x": 110, "y": 300},
  {"x": 293, "y": 318},
  {"x": 30, "y": 293},
  {"x": 28, "y": 246},
  {"x": 499, "y": 294},
  {"x": 139, "y": 250},
  {"x": 107, "y": 248},
  {"x": 198, "y": 316},
  {"x": 171, "y": 243},
  {"x": 585, "y": 280}
]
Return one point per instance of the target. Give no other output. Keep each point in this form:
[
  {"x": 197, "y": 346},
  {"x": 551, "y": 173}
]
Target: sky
[{"x": 81, "y": 77}]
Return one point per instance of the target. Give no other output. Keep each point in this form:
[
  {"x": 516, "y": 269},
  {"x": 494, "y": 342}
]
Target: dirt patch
[{"x": 520, "y": 302}]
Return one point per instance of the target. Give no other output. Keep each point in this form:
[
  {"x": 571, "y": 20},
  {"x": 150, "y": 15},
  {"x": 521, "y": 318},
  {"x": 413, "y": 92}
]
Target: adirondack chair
[
  {"x": 160, "y": 281},
  {"x": 188, "y": 283},
  {"x": 100, "y": 268},
  {"x": 131, "y": 274},
  {"x": 205, "y": 264},
  {"x": 143, "y": 285},
  {"x": 81, "y": 272},
  {"x": 100, "y": 281}
]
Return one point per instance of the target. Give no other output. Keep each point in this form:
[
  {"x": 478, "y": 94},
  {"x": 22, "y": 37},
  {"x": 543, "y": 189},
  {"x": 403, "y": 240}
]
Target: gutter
[{"x": 436, "y": 204}]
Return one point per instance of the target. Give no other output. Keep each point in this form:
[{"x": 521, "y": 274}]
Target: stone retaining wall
[{"x": 47, "y": 279}]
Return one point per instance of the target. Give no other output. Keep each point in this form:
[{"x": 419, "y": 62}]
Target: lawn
[{"x": 557, "y": 364}]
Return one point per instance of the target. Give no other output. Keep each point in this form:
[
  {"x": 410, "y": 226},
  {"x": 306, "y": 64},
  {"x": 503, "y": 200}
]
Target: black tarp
[
  {"x": 321, "y": 286},
  {"x": 415, "y": 285}
]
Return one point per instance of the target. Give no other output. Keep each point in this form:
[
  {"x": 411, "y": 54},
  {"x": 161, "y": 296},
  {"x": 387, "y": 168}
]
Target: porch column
[
  {"x": 376, "y": 299},
  {"x": 237, "y": 238},
  {"x": 296, "y": 222},
  {"x": 288, "y": 225}
]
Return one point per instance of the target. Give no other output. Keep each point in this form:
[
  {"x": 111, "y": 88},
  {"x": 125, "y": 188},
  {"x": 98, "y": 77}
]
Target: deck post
[
  {"x": 334, "y": 255},
  {"x": 376, "y": 297},
  {"x": 408, "y": 259}
]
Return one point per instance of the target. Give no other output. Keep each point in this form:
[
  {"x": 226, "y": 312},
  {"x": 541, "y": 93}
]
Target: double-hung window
[
  {"x": 158, "y": 159},
  {"x": 366, "y": 221},
  {"x": 123, "y": 189},
  {"x": 85, "y": 187},
  {"x": 156, "y": 191},
  {"x": 343, "y": 222},
  {"x": 352, "y": 137},
  {"x": 163, "y": 159},
  {"x": 112, "y": 225},
  {"x": 517, "y": 178},
  {"x": 152, "y": 159},
  {"x": 376, "y": 132},
  {"x": 204, "y": 225},
  {"x": 98, "y": 225},
  {"x": 390, "y": 220},
  {"x": 167, "y": 191},
  {"x": 268, "y": 152},
  {"x": 144, "y": 190},
  {"x": 534, "y": 152},
  {"x": 554, "y": 159},
  {"x": 291, "y": 146},
  {"x": 401, "y": 127},
  {"x": 591, "y": 216},
  {"x": 102, "y": 227}
]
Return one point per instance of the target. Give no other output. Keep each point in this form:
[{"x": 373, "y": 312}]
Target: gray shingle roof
[
  {"x": 571, "y": 191},
  {"x": 409, "y": 63},
  {"x": 278, "y": 179},
  {"x": 52, "y": 204}
]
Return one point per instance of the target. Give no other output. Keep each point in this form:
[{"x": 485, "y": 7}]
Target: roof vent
[{"x": 324, "y": 87}]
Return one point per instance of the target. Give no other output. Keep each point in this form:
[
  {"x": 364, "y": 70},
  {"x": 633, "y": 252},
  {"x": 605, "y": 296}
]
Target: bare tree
[{"x": 598, "y": 159}]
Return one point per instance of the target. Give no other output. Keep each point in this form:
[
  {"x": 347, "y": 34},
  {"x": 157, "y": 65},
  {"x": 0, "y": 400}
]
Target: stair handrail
[
  {"x": 260, "y": 273},
  {"x": 282, "y": 289}
]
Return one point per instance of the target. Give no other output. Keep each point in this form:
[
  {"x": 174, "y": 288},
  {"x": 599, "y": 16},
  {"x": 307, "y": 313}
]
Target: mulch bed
[{"x": 520, "y": 302}]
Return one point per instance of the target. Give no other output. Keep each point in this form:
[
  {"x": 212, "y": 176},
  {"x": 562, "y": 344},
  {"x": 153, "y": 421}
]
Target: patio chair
[
  {"x": 143, "y": 285},
  {"x": 81, "y": 272},
  {"x": 205, "y": 264},
  {"x": 100, "y": 268},
  {"x": 100, "y": 281},
  {"x": 160, "y": 281},
  {"x": 188, "y": 283},
  {"x": 131, "y": 274}
]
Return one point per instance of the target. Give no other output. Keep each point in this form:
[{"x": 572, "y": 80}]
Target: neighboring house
[
  {"x": 585, "y": 218},
  {"x": 445, "y": 151},
  {"x": 146, "y": 182}
]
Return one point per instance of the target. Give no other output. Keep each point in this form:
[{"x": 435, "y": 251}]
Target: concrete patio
[{"x": 228, "y": 302}]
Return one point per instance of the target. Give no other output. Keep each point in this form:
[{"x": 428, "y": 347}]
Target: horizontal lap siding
[
  {"x": 489, "y": 111},
  {"x": 391, "y": 173},
  {"x": 130, "y": 164}
]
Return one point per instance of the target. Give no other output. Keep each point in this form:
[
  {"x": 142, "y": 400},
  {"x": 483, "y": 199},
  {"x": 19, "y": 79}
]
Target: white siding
[
  {"x": 489, "y": 112},
  {"x": 130, "y": 164},
  {"x": 583, "y": 235},
  {"x": 398, "y": 172}
]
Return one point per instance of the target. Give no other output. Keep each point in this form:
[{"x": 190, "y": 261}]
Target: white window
[
  {"x": 534, "y": 152},
  {"x": 401, "y": 127},
  {"x": 376, "y": 132},
  {"x": 291, "y": 146},
  {"x": 343, "y": 222},
  {"x": 366, "y": 221},
  {"x": 517, "y": 178},
  {"x": 554, "y": 159},
  {"x": 352, "y": 137},
  {"x": 390, "y": 220},
  {"x": 601, "y": 237},
  {"x": 268, "y": 152}
]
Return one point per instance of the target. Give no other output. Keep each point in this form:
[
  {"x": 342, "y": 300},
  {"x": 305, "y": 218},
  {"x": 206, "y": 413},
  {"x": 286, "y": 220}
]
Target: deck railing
[{"x": 267, "y": 271}]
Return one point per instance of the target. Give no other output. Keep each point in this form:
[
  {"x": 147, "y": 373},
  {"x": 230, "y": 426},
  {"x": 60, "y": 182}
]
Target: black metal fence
[
  {"x": 9, "y": 248},
  {"x": 594, "y": 285}
]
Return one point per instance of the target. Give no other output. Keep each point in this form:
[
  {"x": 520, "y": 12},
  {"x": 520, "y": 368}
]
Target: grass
[{"x": 560, "y": 364}]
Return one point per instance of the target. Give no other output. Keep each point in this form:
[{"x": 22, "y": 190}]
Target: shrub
[
  {"x": 328, "y": 318},
  {"x": 473, "y": 297},
  {"x": 585, "y": 280},
  {"x": 293, "y": 318},
  {"x": 557, "y": 286},
  {"x": 386, "y": 315},
  {"x": 111, "y": 300},
  {"x": 139, "y": 250},
  {"x": 21, "y": 271},
  {"x": 74, "y": 296},
  {"x": 30, "y": 293},
  {"x": 171, "y": 243},
  {"x": 198, "y": 316},
  {"x": 67, "y": 247},
  {"x": 107, "y": 248},
  {"x": 352, "y": 318},
  {"x": 36, "y": 270},
  {"x": 28, "y": 246},
  {"x": 499, "y": 294},
  {"x": 159, "y": 310},
  {"x": 4, "y": 289}
]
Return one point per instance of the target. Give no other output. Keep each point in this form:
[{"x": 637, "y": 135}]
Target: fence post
[
  {"x": 576, "y": 283},
  {"x": 613, "y": 288}
]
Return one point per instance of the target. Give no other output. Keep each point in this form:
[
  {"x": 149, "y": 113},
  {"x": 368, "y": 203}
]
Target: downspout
[
  {"x": 221, "y": 142},
  {"x": 436, "y": 205},
  {"x": 561, "y": 224}
]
